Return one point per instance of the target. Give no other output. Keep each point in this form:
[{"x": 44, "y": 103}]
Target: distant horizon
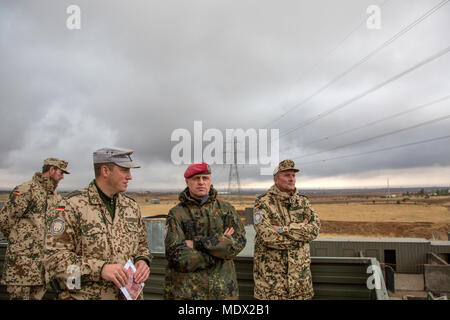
[{"x": 253, "y": 190}]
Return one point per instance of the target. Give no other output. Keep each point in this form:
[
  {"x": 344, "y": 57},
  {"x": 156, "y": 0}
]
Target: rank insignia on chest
[
  {"x": 57, "y": 227},
  {"x": 257, "y": 218}
]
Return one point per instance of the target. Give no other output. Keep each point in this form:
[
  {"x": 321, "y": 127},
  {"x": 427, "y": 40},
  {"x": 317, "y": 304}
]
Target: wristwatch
[{"x": 280, "y": 229}]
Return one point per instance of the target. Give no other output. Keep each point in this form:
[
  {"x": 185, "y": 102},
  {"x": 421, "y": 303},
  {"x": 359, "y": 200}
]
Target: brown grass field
[{"x": 351, "y": 215}]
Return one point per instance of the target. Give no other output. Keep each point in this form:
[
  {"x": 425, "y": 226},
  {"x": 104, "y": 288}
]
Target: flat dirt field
[{"x": 349, "y": 215}]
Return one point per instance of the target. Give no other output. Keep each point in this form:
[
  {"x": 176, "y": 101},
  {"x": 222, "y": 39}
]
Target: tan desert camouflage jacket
[
  {"x": 22, "y": 222},
  {"x": 282, "y": 260},
  {"x": 83, "y": 237}
]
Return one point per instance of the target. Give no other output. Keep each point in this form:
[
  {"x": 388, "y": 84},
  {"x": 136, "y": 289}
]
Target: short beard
[{"x": 55, "y": 183}]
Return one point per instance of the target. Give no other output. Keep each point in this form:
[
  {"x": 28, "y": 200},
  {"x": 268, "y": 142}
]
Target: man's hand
[
  {"x": 229, "y": 231},
  {"x": 115, "y": 273},
  {"x": 190, "y": 243},
  {"x": 142, "y": 272}
]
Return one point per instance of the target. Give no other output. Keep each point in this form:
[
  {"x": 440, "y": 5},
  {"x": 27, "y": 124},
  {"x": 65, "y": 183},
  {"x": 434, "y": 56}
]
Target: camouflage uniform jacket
[
  {"x": 22, "y": 222},
  {"x": 207, "y": 271},
  {"x": 282, "y": 260},
  {"x": 84, "y": 236}
]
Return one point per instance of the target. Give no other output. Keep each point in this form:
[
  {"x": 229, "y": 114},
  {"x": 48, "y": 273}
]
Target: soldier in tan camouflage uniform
[
  {"x": 95, "y": 231},
  {"x": 22, "y": 222},
  {"x": 204, "y": 234},
  {"x": 285, "y": 223}
]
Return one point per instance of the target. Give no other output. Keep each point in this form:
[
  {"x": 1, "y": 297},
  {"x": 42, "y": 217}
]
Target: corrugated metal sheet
[
  {"x": 155, "y": 234},
  {"x": 333, "y": 278},
  {"x": 410, "y": 253},
  {"x": 440, "y": 247}
]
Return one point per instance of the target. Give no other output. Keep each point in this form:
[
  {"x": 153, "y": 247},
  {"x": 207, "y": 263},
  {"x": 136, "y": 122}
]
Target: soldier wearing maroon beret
[{"x": 203, "y": 235}]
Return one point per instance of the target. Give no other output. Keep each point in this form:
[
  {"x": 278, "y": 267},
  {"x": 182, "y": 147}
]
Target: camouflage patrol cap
[
  {"x": 61, "y": 164},
  {"x": 285, "y": 165},
  {"x": 121, "y": 157}
]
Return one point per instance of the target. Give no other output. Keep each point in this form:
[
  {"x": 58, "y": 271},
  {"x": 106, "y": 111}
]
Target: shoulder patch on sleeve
[
  {"x": 257, "y": 218},
  {"x": 57, "y": 227},
  {"x": 14, "y": 193},
  {"x": 19, "y": 190}
]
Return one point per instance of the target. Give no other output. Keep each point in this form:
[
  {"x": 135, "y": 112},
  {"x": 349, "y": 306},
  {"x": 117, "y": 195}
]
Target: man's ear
[
  {"x": 104, "y": 170},
  {"x": 52, "y": 170}
]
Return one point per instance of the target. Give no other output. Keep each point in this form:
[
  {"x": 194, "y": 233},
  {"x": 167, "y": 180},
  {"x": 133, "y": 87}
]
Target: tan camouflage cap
[
  {"x": 285, "y": 165},
  {"x": 61, "y": 164}
]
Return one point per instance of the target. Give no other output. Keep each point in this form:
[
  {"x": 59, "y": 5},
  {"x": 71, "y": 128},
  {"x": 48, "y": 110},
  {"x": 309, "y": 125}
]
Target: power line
[
  {"x": 378, "y": 136},
  {"x": 367, "y": 57},
  {"x": 321, "y": 61},
  {"x": 377, "y": 150},
  {"x": 369, "y": 124},
  {"x": 363, "y": 94}
]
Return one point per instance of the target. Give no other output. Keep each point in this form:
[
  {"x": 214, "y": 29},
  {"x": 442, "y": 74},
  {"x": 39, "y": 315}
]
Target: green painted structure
[{"x": 334, "y": 278}]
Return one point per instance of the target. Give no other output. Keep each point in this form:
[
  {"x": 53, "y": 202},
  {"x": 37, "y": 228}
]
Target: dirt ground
[{"x": 357, "y": 215}]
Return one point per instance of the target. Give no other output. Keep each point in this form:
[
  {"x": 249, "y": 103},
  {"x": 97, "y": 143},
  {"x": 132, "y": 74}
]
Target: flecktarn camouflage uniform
[
  {"x": 22, "y": 222},
  {"x": 84, "y": 236},
  {"x": 207, "y": 271},
  {"x": 282, "y": 260}
]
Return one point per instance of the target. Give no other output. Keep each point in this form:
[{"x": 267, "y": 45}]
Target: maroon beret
[{"x": 197, "y": 168}]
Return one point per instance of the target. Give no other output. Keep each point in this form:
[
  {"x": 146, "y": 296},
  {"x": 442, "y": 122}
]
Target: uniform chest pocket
[
  {"x": 130, "y": 235},
  {"x": 93, "y": 233},
  {"x": 299, "y": 215},
  {"x": 37, "y": 207},
  {"x": 95, "y": 242},
  {"x": 132, "y": 224}
]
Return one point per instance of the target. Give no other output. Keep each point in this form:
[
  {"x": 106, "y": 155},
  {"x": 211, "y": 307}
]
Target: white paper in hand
[{"x": 132, "y": 290}]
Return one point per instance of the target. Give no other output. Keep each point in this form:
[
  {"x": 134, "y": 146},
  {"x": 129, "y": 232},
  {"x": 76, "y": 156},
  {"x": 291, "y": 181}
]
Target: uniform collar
[
  {"x": 283, "y": 195},
  {"x": 185, "y": 197},
  {"x": 95, "y": 199},
  {"x": 103, "y": 196},
  {"x": 93, "y": 195},
  {"x": 47, "y": 183}
]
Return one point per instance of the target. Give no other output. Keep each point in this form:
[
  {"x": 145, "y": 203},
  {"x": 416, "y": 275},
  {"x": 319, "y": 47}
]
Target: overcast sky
[{"x": 337, "y": 91}]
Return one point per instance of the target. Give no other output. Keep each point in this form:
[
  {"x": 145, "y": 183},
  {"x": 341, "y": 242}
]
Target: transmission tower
[{"x": 233, "y": 178}]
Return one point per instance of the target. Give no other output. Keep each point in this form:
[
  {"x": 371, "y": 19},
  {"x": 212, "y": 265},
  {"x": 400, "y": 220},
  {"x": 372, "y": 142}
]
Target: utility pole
[
  {"x": 389, "y": 189},
  {"x": 234, "y": 173}
]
